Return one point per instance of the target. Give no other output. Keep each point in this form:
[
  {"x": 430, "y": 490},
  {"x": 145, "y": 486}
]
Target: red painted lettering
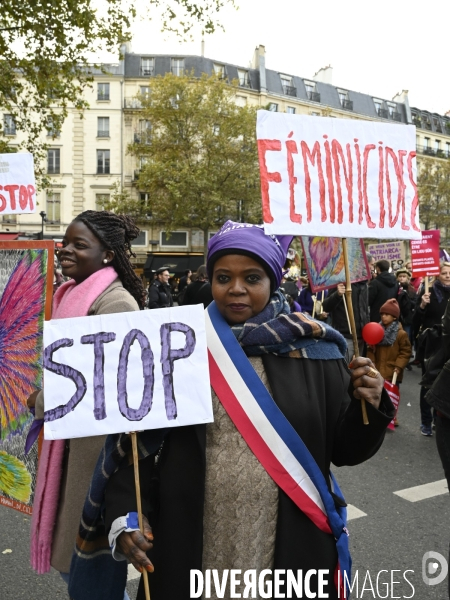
[
  {"x": 398, "y": 166},
  {"x": 291, "y": 147},
  {"x": 312, "y": 156},
  {"x": 360, "y": 194},
  {"x": 367, "y": 149},
  {"x": 266, "y": 177},
  {"x": 31, "y": 191},
  {"x": 336, "y": 150},
  {"x": 2, "y": 200},
  {"x": 12, "y": 194},
  {"x": 415, "y": 202},
  {"x": 329, "y": 171},
  {"x": 23, "y": 197},
  {"x": 380, "y": 185}
]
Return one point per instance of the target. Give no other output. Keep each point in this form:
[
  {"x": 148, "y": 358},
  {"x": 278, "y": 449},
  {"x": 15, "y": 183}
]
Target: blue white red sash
[{"x": 271, "y": 437}]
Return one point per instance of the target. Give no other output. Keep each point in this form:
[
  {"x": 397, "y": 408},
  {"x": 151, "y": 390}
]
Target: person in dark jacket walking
[
  {"x": 159, "y": 292},
  {"x": 429, "y": 311},
  {"x": 383, "y": 287},
  {"x": 335, "y": 306},
  {"x": 199, "y": 291}
]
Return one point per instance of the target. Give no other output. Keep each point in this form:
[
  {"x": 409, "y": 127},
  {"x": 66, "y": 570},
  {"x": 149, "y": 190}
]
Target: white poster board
[
  {"x": 337, "y": 177},
  {"x": 17, "y": 184},
  {"x": 126, "y": 372}
]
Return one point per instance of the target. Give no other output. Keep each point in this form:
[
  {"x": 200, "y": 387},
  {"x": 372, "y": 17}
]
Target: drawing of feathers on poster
[
  {"x": 23, "y": 282},
  {"x": 324, "y": 260}
]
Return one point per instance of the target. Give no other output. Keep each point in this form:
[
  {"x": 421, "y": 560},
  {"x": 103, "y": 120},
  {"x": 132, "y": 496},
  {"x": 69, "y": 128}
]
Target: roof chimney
[
  {"x": 324, "y": 75},
  {"x": 260, "y": 53}
]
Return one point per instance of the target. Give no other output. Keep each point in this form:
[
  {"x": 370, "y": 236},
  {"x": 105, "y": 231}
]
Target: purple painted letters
[{"x": 98, "y": 339}]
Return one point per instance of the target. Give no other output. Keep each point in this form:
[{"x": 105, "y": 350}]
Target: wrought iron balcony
[
  {"x": 396, "y": 116},
  {"x": 383, "y": 113},
  {"x": 433, "y": 152},
  {"x": 290, "y": 90},
  {"x": 9, "y": 131},
  {"x": 314, "y": 96},
  {"x": 101, "y": 96},
  {"x": 347, "y": 104},
  {"x": 142, "y": 137},
  {"x": 103, "y": 134},
  {"x": 178, "y": 71},
  {"x": 147, "y": 71},
  {"x": 244, "y": 82},
  {"x": 136, "y": 174}
]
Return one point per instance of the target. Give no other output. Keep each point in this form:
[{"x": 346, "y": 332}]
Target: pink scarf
[{"x": 70, "y": 300}]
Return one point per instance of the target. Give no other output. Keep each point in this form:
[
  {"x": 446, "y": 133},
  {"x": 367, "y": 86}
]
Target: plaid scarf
[
  {"x": 277, "y": 331},
  {"x": 94, "y": 574}
]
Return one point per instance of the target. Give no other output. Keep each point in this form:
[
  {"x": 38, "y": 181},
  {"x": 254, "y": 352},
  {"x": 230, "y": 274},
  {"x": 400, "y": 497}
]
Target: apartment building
[{"x": 89, "y": 154}]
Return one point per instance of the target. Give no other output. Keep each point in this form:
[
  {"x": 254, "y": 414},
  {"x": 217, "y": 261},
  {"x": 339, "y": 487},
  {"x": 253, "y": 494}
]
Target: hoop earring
[{"x": 105, "y": 260}]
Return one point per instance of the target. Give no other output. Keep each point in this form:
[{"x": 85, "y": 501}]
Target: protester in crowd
[
  {"x": 289, "y": 285},
  {"x": 96, "y": 256},
  {"x": 293, "y": 305},
  {"x": 185, "y": 280},
  {"x": 214, "y": 505},
  {"x": 383, "y": 287},
  {"x": 305, "y": 298},
  {"x": 199, "y": 291},
  {"x": 159, "y": 292},
  {"x": 429, "y": 311},
  {"x": 404, "y": 278},
  {"x": 335, "y": 306},
  {"x": 392, "y": 354}
]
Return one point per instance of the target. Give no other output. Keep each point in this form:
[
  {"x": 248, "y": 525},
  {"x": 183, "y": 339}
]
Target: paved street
[{"x": 394, "y": 534}]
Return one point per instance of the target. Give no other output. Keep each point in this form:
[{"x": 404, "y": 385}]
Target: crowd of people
[{"x": 211, "y": 499}]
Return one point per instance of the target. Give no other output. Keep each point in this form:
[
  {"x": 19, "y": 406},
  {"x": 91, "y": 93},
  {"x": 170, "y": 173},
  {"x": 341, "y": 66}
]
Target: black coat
[
  {"x": 159, "y": 295},
  {"x": 432, "y": 313},
  {"x": 334, "y": 304},
  {"x": 198, "y": 292},
  {"x": 320, "y": 407},
  {"x": 384, "y": 287}
]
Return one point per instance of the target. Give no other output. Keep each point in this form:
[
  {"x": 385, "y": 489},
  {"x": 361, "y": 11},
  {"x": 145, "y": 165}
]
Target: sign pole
[
  {"x": 427, "y": 284},
  {"x": 139, "y": 506},
  {"x": 348, "y": 295}
]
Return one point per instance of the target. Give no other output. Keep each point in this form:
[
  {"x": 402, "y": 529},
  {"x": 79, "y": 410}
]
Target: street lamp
[{"x": 43, "y": 216}]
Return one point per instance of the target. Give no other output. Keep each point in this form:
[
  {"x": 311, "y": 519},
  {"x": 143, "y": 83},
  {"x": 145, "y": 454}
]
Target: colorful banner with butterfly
[{"x": 26, "y": 283}]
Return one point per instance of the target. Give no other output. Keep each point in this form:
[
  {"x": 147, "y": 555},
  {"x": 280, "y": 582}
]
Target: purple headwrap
[{"x": 243, "y": 238}]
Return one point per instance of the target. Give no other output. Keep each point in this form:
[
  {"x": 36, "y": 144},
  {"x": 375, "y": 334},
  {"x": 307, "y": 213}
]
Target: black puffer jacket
[
  {"x": 334, "y": 304},
  {"x": 382, "y": 288},
  {"x": 159, "y": 295}
]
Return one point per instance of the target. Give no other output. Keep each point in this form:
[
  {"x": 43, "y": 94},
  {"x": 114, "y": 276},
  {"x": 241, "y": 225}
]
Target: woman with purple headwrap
[{"x": 215, "y": 496}]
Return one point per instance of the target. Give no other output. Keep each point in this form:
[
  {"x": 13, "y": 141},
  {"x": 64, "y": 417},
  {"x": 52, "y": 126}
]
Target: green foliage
[
  {"x": 433, "y": 184},
  {"x": 44, "y": 49},
  {"x": 199, "y": 162}
]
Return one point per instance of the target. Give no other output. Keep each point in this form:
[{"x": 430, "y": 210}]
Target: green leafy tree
[
  {"x": 44, "y": 50},
  {"x": 433, "y": 184},
  {"x": 199, "y": 162}
]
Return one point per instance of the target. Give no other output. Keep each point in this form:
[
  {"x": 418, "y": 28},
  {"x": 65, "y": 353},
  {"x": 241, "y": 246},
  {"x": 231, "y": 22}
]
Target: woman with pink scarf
[{"x": 96, "y": 256}]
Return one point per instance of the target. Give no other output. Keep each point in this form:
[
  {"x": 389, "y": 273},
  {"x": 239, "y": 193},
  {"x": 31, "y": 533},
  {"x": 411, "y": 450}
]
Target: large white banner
[
  {"x": 17, "y": 184},
  {"x": 337, "y": 177},
  {"x": 126, "y": 372}
]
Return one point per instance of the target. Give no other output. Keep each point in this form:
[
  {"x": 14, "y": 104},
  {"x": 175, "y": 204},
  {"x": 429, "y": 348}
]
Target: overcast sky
[{"x": 375, "y": 48}]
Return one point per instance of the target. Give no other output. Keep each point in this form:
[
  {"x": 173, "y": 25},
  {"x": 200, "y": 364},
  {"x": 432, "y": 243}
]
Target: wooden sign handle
[
  {"x": 139, "y": 504},
  {"x": 351, "y": 316}
]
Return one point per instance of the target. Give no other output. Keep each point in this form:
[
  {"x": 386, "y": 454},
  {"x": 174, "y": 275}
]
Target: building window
[
  {"x": 315, "y": 114},
  {"x": 144, "y": 132},
  {"x": 381, "y": 112},
  {"x": 288, "y": 85},
  {"x": 51, "y": 129},
  {"x": 447, "y": 152},
  {"x": 102, "y": 91},
  {"x": 290, "y": 110},
  {"x": 101, "y": 200},
  {"x": 141, "y": 239},
  {"x": 103, "y": 127},
  {"x": 426, "y": 142},
  {"x": 53, "y": 207},
  {"x": 8, "y": 219},
  {"x": 343, "y": 99},
  {"x": 144, "y": 91},
  {"x": 103, "y": 162},
  {"x": 147, "y": 67},
  {"x": 273, "y": 107},
  {"x": 177, "y": 66},
  {"x": 437, "y": 145},
  {"x": 244, "y": 80},
  {"x": 219, "y": 70},
  {"x": 177, "y": 239},
  {"x": 9, "y": 125},
  {"x": 311, "y": 91},
  {"x": 53, "y": 161},
  {"x": 437, "y": 124}
]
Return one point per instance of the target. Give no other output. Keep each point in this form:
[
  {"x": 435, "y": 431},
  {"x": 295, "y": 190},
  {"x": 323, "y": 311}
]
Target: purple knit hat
[{"x": 243, "y": 238}]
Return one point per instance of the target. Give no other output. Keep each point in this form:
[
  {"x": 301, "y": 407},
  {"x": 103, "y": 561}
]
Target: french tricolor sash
[{"x": 272, "y": 439}]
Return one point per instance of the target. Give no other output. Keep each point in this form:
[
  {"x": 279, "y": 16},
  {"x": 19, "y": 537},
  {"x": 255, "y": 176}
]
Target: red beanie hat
[{"x": 391, "y": 307}]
